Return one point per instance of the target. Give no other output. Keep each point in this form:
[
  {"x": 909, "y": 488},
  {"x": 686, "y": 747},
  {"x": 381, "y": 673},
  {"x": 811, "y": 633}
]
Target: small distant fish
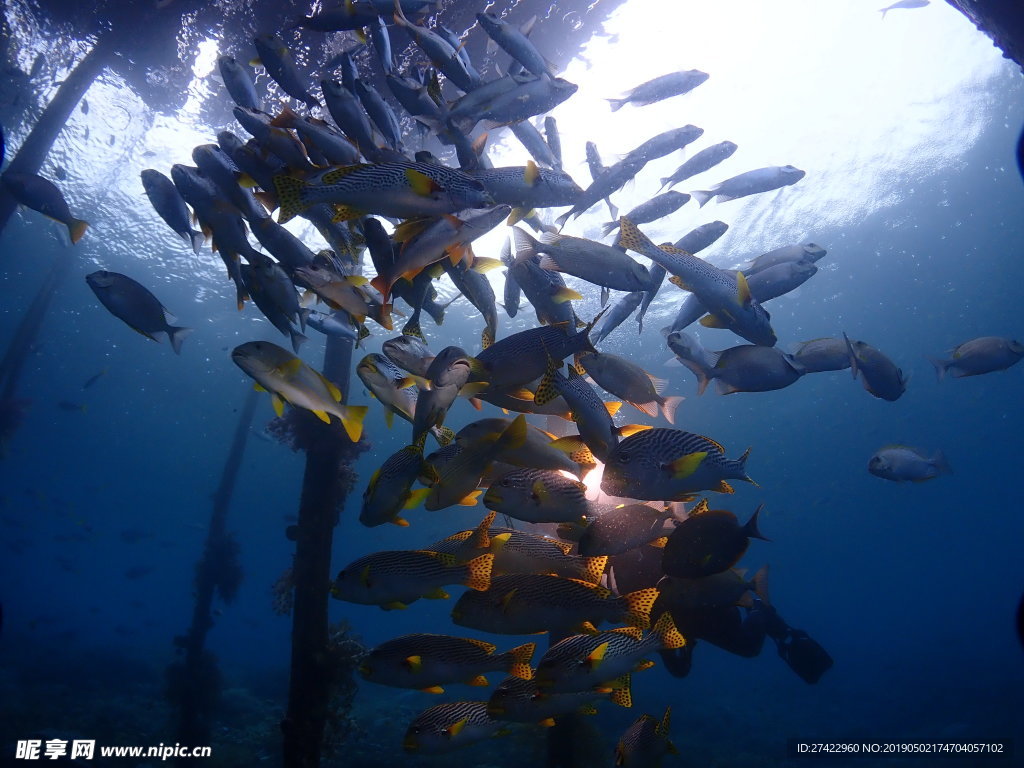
[
  {"x": 901, "y": 463},
  {"x": 977, "y": 356},
  {"x": 660, "y": 88},
  {"x": 645, "y": 742},
  {"x": 67, "y": 405},
  {"x": 704, "y": 160},
  {"x": 903, "y": 4},
  {"x": 41, "y": 195},
  {"x": 132, "y": 303},
  {"x": 85, "y": 106}
]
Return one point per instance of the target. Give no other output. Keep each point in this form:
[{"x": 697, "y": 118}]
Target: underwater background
[{"x": 906, "y": 128}]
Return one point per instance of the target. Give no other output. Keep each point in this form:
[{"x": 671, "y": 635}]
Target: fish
[
  {"x": 259, "y": 287},
  {"x": 339, "y": 17},
  {"x": 617, "y": 314},
  {"x": 516, "y": 44},
  {"x": 984, "y": 354},
  {"x": 238, "y": 81},
  {"x": 645, "y": 742},
  {"x": 521, "y": 552},
  {"x": 476, "y": 287},
  {"x": 447, "y": 374},
  {"x": 903, "y": 4},
  {"x": 594, "y": 661},
  {"x": 528, "y": 186},
  {"x": 389, "y": 490},
  {"x": 622, "y": 528},
  {"x": 553, "y": 141},
  {"x": 750, "y": 183},
  {"x": 338, "y": 324},
  {"x": 901, "y": 463},
  {"x": 725, "y": 588},
  {"x": 389, "y": 385},
  {"x": 538, "y": 496},
  {"x": 536, "y": 451},
  {"x": 382, "y": 46},
  {"x": 347, "y": 112},
  {"x": 879, "y": 374},
  {"x": 441, "y": 52},
  {"x": 661, "y": 88},
  {"x": 546, "y": 291},
  {"x": 520, "y": 701},
  {"x": 765, "y": 285},
  {"x": 728, "y": 298},
  {"x": 518, "y": 359},
  {"x": 824, "y": 354},
  {"x": 171, "y": 208},
  {"x": 457, "y": 480},
  {"x": 277, "y": 60},
  {"x": 529, "y": 97},
  {"x": 652, "y": 210},
  {"x": 709, "y": 541},
  {"x": 586, "y": 259},
  {"x": 425, "y": 662},
  {"x": 669, "y": 464},
  {"x": 745, "y": 368},
  {"x": 592, "y": 415},
  {"x": 802, "y": 253},
  {"x": 380, "y": 113},
  {"x": 72, "y": 407},
  {"x": 410, "y": 353},
  {"x": 94, "y": 378},
  {"x": 524, "y": 604},
  {"x": 663, "y": 144},
  {"x": 133, "y": 304},
  {"x": 290, "y": 380},
  {"x": 624, "y": 379},
  {"x": 394, "y": 579},
  {"x": 41, "y": 195},
  {"x": 704, "y": 160},
  {"x": 397, "y": 188},
  {"x": 450, "y": 725},
  {"x": 336, "y": 148},
  {"x": 686, "y": 348}
]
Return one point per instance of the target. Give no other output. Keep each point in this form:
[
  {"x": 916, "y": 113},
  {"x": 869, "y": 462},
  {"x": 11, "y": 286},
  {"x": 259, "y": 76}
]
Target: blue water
[{"x": 911, "y": 588}]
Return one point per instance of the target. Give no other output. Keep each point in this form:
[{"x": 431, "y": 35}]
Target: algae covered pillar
[
  {"x": 326, "y": 482},
  {"x": 36, "y": 147},
  {"x": 11, "y": 408},
  {"x": 193, "y": 683}
]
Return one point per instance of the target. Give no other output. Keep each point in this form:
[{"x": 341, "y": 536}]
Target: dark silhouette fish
[{"x": 708, "y": 542}]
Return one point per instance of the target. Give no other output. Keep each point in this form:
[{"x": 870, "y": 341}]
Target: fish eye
[
  {"x": 504, "y": 482},
  {"x": 624, "y": 457}
]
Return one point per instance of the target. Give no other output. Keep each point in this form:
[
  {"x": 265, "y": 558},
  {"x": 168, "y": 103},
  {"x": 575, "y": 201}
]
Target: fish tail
[
  {"x": 176, "y": 336},
  {"x": 703, "y": 373},
  {"x": 631, "y": 238},
  {"x": 941, "y": 464},
  {"x": 525, "y": 244},
  {"x": 638, "y": 607},
  {"x": 608, "y": 227},
  {"x": 352, "y": 420},
  {"x": 478, "y": 572},
  {"x": 617, "y": 104},
  {"x": 702, "y": 196},
  {"x": 666, "y": 632},
  {"x": 851, "y": 353},
  {"x": 743, "y": 467},
  {"x": 76, "y": 228},
  {"x": 669, "y": 405},
  {"x": 298, "y": 339},
  {"x": 196, "y": 240},
  {"x": 519, "y": 661},
  {"x": 941, "y": 366},
  {"x": 289, "y": 197},
  {"x": 594, "y": 567},
  {"x": 750, "y": 530}
]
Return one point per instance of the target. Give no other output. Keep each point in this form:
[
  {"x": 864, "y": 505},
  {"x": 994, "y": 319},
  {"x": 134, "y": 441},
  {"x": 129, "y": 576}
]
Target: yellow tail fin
[{"x": 478, "y": 572}]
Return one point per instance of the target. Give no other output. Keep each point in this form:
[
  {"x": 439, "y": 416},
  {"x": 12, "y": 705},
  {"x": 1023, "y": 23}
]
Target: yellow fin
[
  {"x": 433, "y": 689},
  {"x": 478, "y": 681},
  {"x": 743, "y": 296},
  {"x": 278, "y": 403},
  {"x": 454, "y": 729},
  {"x": 596, "y": 656},
  {"x": 421, "y": 184},
  {"x": 713, "y": 321},
  {"x": 532, "y": 173},
  {"x": 613, "y": 407},
  {"x": 686, "y": 465},
  {"x": 414, "y": 663},
  {"x": 469, "y": 500}
]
